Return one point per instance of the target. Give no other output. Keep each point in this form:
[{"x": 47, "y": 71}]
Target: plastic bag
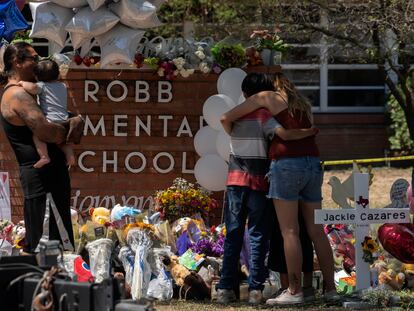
[
  {"x": 6, "y": 248},
  {"x": 161, "y": 288},
  {"x": 127, "y": 257},
  {"x": 165, "y": 234},
  {"x": 140, "y": 242},
  {"x": 154, "y": 260},
  {"x": 100, "y": 258}
]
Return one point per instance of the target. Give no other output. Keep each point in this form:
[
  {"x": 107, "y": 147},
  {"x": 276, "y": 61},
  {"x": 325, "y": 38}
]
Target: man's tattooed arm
[{"x": 28, "y": 110}]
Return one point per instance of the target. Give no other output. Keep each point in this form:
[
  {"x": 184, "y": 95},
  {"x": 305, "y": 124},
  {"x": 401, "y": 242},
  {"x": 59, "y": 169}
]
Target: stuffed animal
[
  {"x": 391, "y": 279},
  {"x": 100, "y": 215},
  {"x": 18, "y": 234},
  {"x": 119, "y": 211},
  {"x": 191, "y": 283},
  {"x": 409, "y": 275}
]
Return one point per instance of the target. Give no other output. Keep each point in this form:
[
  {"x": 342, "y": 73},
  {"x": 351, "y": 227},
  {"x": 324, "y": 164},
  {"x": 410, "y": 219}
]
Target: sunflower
[{"x": 370, "y": 245}]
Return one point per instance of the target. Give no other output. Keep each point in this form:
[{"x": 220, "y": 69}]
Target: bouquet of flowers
[
  {"x": 183, "y": 199},
  {"x": 210, "y": 244},
  {"x": 268, "y": 40}
]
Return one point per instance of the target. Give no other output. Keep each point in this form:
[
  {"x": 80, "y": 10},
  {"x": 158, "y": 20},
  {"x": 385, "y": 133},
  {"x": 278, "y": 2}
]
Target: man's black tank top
[{"x": 33, "y": 180}]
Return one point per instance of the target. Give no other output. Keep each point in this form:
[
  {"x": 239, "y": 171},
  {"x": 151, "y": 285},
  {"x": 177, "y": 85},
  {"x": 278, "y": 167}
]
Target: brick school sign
[{"x": 139, "y": 135}]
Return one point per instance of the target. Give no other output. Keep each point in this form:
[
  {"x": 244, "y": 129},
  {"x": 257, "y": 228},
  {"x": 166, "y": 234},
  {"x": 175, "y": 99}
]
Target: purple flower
[{"x": 216, "y": 68}]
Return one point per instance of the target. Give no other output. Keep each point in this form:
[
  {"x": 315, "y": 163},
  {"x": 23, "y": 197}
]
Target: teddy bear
[
  {"x": 191, "y": 284},
  {"x": 100, "y": 215}
]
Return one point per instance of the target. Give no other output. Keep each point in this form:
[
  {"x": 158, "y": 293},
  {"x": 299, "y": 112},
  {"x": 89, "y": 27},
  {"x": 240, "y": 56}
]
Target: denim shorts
[{"x": 293, "y": 179}]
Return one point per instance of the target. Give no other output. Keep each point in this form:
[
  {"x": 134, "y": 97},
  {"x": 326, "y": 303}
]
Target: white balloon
[
  {"x": 205, "y": 141},
  {"x": 119, "y": 45},
  {"x": 87, "y": 24},
  {"x": 71, "y": 3},
  {"x": 223, "y": 145},
  {"x": 210, "y": 172},
  {"x": 214, "y": 107},
  {"x": 96, "y": 4},
  {"x": 136, "y": 13},
  {"x": 49, "y": 22},
  {"x": 241, "y": 99},
  {"x": 230, "y": 81}
]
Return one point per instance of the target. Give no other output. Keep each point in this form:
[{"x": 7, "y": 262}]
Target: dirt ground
[{"x": 379, "y": 192}]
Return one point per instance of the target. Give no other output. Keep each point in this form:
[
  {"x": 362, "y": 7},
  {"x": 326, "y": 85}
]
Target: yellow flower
[{"x": 370, "y": 245}]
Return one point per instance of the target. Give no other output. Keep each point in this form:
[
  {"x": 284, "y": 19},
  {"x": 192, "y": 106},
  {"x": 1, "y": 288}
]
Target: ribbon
[{"x": 67, "y": 245}]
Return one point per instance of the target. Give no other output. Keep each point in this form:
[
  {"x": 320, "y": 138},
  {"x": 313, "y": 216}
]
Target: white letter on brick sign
[
  {"x": 168, "y": 169},
  {"x": 94, "y": 130},
  {"x": 91, "y": 93},
  {"x": 139, "y": 124},
  {"x": 105, "y": 161},
  {"x": 184, "y": 165},
  {"x": 184, "y": 128},
  {"x": 165, "y": 124},
  {"x": 135, "y": 170},
  {"x": 118, "y": 124},
  {"x": 164, "y": 87},
  {"x": 141, "y": 87},
  {"x": 109, "y": 94},
  {"x": 80, "y": 161}
]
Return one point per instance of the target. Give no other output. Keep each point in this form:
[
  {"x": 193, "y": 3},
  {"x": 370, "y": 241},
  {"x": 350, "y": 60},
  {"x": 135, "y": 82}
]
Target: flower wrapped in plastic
[
  {"x": 127, "y": 257},
  {"x": 183, "y": 199},
  {"x": 341, "y": 239},
  {"x": 139, "y": 240},
  {"x": 100, "y": 258}
]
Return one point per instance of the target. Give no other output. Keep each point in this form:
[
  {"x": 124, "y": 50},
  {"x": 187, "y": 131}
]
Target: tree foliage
[
  {"x": 368, "y": 31},
  {"x": 379, "y": 31}
]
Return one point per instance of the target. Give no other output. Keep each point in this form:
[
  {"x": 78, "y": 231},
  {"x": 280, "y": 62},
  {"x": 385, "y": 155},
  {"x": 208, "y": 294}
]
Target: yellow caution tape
[{"x": 373, "y": 160}]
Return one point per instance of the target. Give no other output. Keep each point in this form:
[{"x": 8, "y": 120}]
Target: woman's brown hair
[{"x": 295, "y": 100}]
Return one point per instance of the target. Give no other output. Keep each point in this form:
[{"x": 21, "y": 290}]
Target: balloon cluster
[
  {"x": 11, "y": 20},
  {"x": 211, "y": 142},
  {"x": 117, "y": 27}
]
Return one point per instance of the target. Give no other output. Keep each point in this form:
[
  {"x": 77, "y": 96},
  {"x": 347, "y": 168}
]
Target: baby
[{"x": 52, "y": 95}]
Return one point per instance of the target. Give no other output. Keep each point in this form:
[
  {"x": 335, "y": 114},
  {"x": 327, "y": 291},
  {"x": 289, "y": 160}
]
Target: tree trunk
[{"x": 409, "y": 116}]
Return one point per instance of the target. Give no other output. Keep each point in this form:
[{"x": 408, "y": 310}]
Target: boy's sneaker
[
  {"x": 255, "y": 297},
  {"x": 332, "y": 296},
  {"x": 286, "y": 298},
  {"x": 308, "y": 294},
  {"x": 225, "y": 296}
]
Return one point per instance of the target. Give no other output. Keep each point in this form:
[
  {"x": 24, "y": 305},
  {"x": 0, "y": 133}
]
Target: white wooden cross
[{"x": 361, "y": 216}]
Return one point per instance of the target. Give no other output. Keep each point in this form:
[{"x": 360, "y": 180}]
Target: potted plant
[
  {"x": 229, "y": 55},
  {"x": 270, "y": 46}
]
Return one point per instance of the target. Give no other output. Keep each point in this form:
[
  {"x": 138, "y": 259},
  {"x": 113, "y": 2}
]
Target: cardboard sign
[{"x": 5, "y": 208}]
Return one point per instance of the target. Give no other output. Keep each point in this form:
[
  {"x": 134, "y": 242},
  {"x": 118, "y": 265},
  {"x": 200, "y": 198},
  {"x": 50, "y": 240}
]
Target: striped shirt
[{"x": 250, "y": 137}]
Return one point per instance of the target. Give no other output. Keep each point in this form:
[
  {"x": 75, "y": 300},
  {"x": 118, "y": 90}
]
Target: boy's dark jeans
[{"x": 243, "y": 202}]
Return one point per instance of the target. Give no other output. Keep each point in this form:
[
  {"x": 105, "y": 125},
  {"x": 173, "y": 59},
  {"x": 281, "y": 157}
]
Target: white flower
[
  {"x": 200, "y": 54},
  {"x": 185, "y": 73},
  {"x": 204, "y": 68},
  {"x": 179, "y": 62},
  {"x": 160, "y": 72}
]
